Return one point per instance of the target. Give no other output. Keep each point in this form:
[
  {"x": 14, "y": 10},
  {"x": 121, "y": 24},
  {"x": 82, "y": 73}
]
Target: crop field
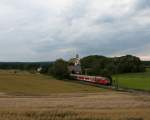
[
  {"x": 26, "y": 96},
  {"x": 76, "y": 106},
  {"x": 134, "y": 80}
]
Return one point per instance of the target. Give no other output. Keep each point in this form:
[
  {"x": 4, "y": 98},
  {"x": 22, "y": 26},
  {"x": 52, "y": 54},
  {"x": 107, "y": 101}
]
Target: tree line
[
  {"x": 91, "y": 65},
  {"x": 29, "y": 66},
  {"x": 100, "y": 65},
  {"x": 146, "y": 63}
]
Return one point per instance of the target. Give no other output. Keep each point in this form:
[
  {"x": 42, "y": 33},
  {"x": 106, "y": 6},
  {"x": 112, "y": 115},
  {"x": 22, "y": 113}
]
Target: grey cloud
[
  {"x": 142, "y": 4},
  {"x": 35, "y": 32},
  {"x": 123, "y": 43}
]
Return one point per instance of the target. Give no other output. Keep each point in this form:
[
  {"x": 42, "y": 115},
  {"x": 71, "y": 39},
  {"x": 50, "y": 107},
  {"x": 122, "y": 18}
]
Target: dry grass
[
  {"x": 72, "y": 115},
  {"x": 81, "y": 106},
  {"x": 25, "y": 83}
]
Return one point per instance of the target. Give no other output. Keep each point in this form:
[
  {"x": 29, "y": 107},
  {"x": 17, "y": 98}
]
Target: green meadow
[{"x": 134, "y": 80}]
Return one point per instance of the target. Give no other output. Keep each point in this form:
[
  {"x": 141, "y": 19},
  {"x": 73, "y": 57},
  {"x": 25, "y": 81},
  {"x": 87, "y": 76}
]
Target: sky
[{"x": 45, "y": 30}]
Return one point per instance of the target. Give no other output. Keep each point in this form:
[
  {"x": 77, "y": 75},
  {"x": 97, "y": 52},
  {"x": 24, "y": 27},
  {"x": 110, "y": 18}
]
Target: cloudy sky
[{"x": 44, "y": 30}]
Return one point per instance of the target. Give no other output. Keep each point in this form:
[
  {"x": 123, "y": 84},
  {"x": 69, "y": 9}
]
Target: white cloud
[{"x": 35, "y": 30}]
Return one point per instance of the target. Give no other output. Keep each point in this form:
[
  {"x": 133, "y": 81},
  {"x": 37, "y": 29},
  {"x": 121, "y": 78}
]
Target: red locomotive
[{"x": 93, "y": 79}]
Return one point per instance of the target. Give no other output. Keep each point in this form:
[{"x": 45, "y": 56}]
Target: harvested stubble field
[
  {"x": 76, "y": 106},
  {"x": 60, "y": 102}
]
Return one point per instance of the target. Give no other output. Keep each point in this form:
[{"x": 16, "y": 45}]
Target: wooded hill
[{"x": 102, "y": 65}]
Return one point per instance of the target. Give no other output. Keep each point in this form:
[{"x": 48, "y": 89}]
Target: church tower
[
  {"x": 77, "y": 60},
  {"x": 75, "y": 65}
]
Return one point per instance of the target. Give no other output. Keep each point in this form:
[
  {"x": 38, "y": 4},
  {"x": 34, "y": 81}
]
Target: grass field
[
  {"x": 26, "y": 96},
  {"x": 134, "y": 80},
  {"x": 25, "y": 83}
]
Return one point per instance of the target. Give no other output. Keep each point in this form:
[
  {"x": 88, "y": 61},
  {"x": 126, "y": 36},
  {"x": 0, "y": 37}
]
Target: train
[{"x": 93, "y": 79}]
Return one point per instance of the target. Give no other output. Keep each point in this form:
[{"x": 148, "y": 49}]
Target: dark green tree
[
  {"x": 100, "y": 65},
  {"x": 59, "y": 69}
]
